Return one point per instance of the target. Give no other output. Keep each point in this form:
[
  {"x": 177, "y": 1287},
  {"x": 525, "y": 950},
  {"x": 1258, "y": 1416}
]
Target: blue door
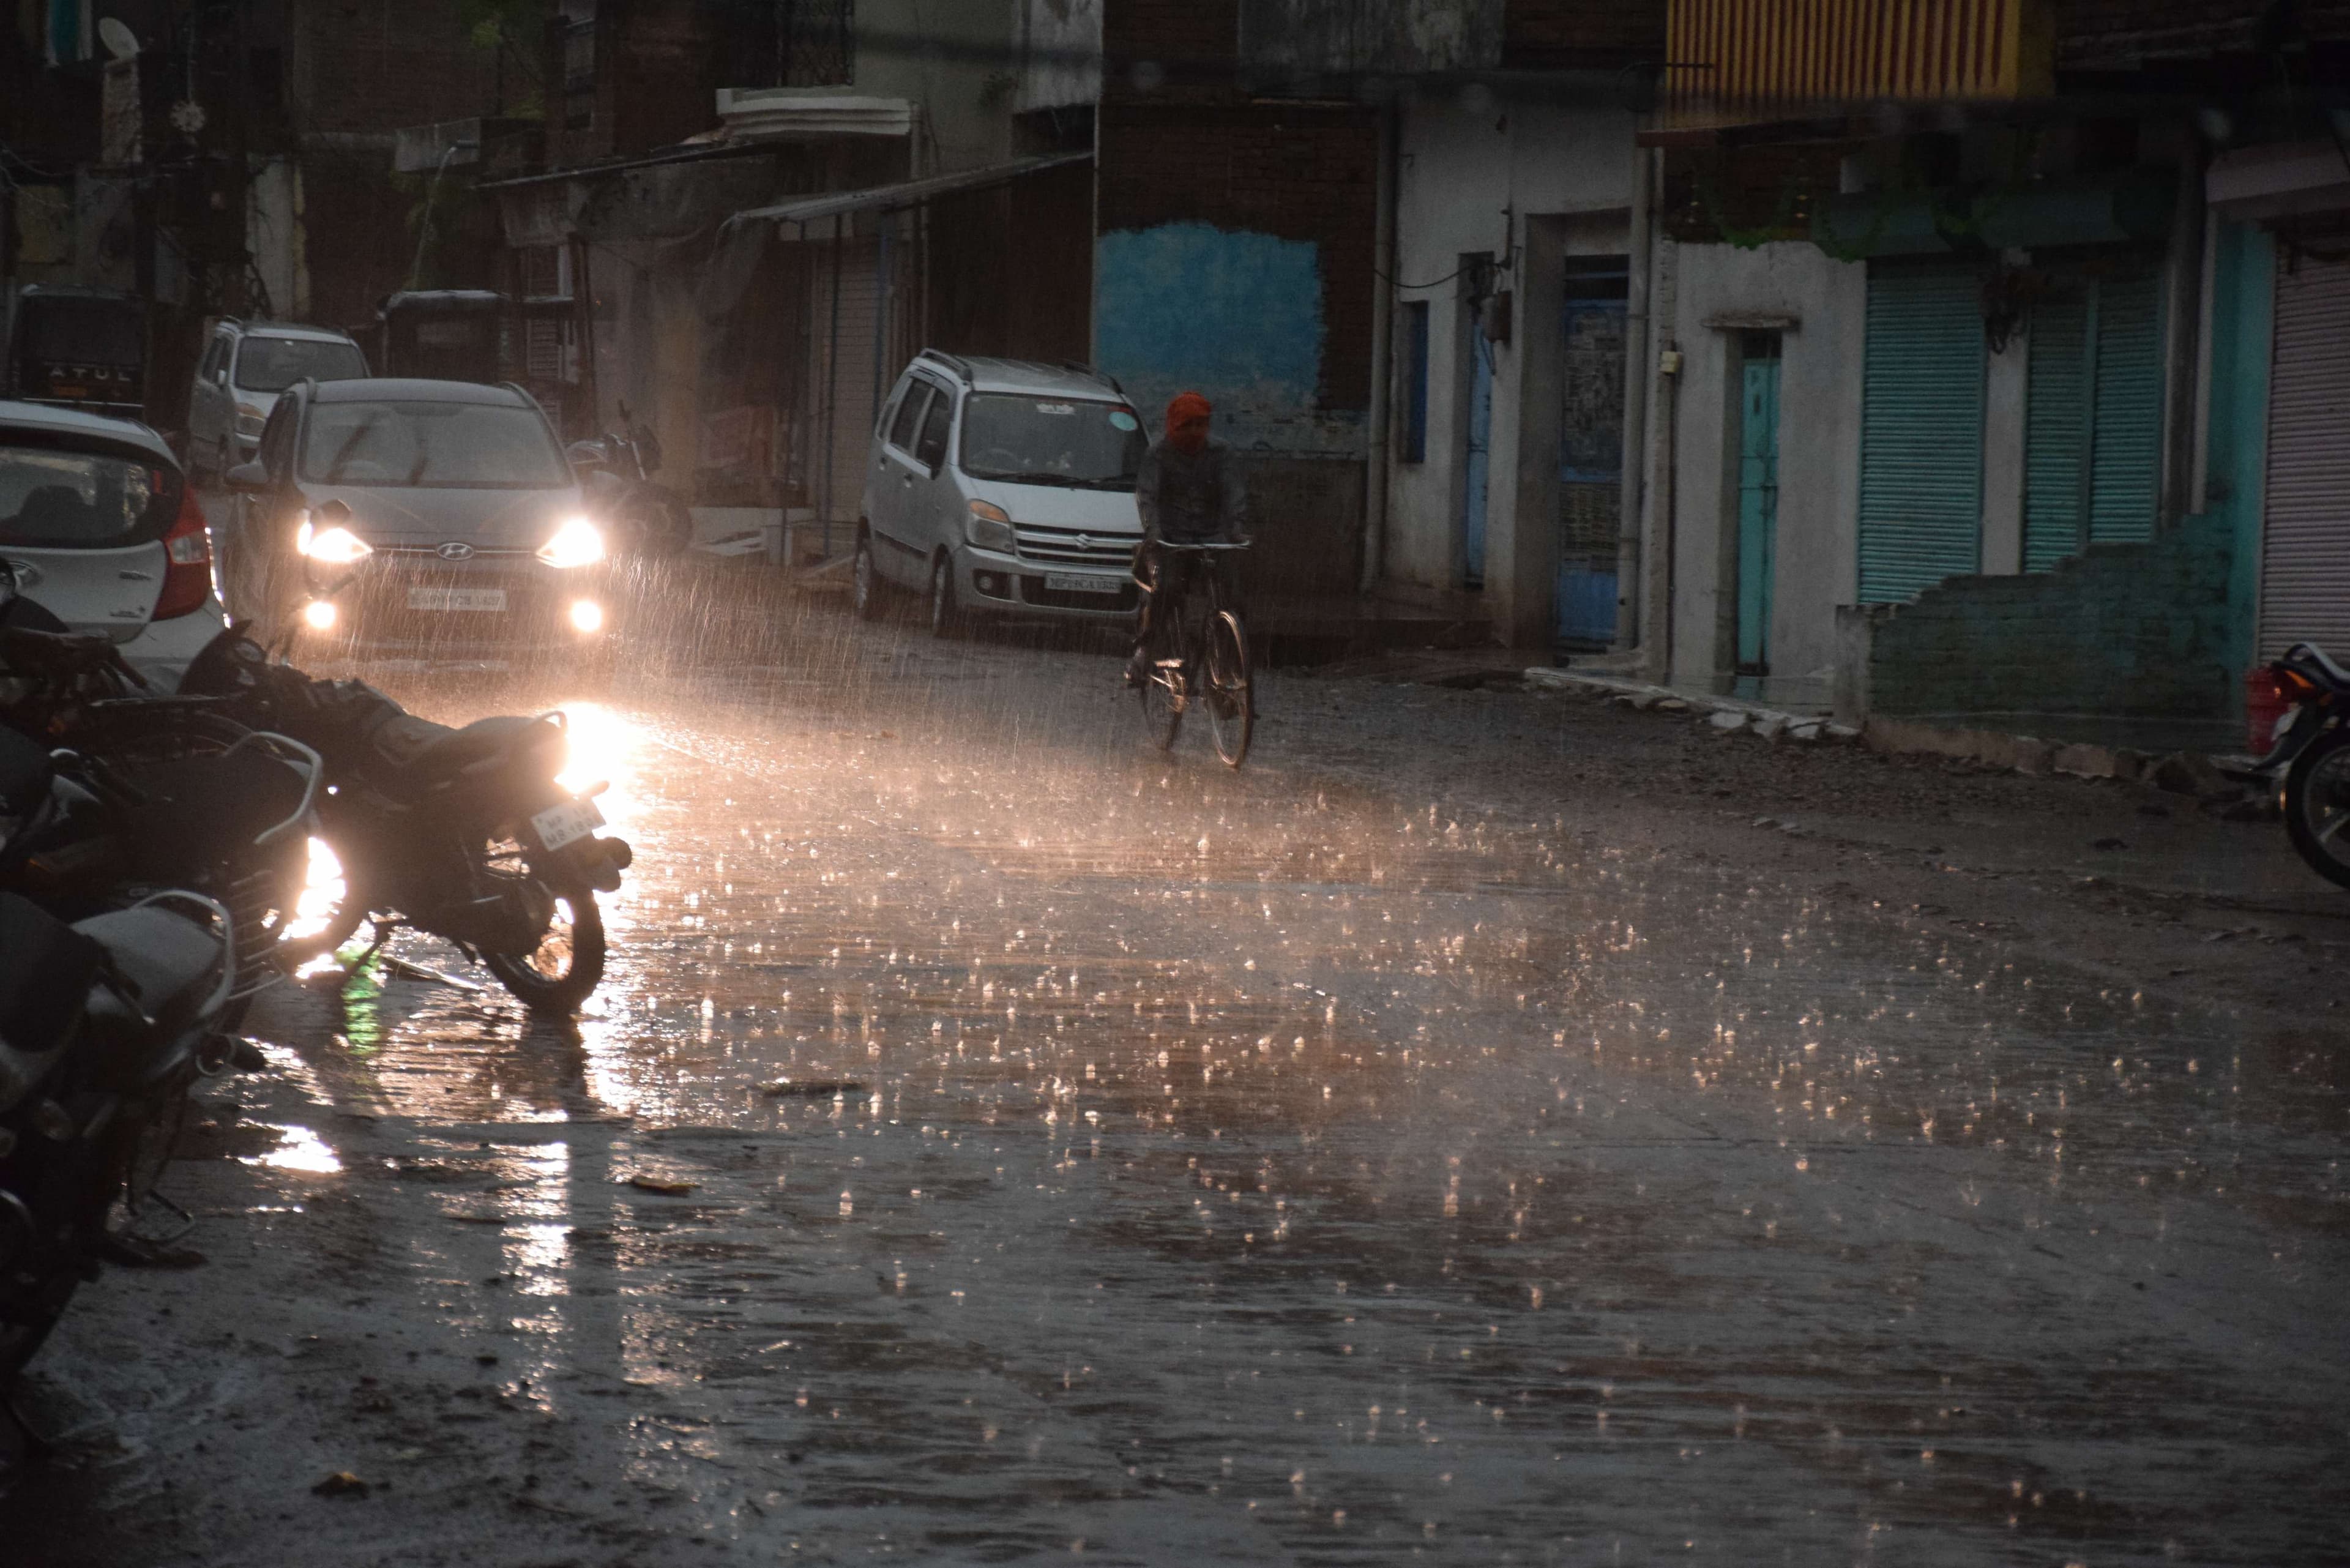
[
  {"x": 1480, "y": 440},
  {"x": 1590, "y": 452},
  {"x": 1758, "y": 505}
]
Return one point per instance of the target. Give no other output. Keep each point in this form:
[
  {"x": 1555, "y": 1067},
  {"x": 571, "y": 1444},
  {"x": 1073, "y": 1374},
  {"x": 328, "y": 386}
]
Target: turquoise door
[
  {"x": 1473, "y": 481},
  {"x": 1758, "y": 501},
  {"x": 1590, "y": 452}
]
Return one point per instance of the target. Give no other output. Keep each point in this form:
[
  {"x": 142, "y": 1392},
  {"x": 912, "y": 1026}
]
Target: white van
[
  {"x": 245, "y": 365},
  {"x": 998, "y": 486}
]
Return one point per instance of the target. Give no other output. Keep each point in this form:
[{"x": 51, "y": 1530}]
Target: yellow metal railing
[{"x": 1735, "y": 61}]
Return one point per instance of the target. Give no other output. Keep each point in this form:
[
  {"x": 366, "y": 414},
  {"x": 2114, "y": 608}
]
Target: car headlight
[
  {"x": 578, "y": 543},
  {"x": 249, "y": 419},
  {"x": 989, "y": 526},
  {"x": 334, "y": 546}
]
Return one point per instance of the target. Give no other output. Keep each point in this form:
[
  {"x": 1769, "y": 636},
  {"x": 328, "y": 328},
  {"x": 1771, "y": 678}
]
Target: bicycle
[{"x": 1204, "y": 655}]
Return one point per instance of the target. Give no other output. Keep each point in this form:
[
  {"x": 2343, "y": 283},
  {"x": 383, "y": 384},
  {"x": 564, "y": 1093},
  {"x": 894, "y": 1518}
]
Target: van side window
[
  {"x": 909, "y": 415},
  {"x": 277, "y": 436},
  {"x": 932, "y": 450},
  {"x": 210, "y": 369}
]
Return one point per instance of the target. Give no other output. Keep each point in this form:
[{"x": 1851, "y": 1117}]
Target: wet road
[{"x": 1184, "y": 1166}]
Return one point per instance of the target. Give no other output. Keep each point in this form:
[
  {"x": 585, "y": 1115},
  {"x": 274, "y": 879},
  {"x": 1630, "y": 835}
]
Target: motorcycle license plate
[
  {"x": 566, "y": 824},
  {"x": 1074, "y": 583},
  {"x": 457, "y": 599}
]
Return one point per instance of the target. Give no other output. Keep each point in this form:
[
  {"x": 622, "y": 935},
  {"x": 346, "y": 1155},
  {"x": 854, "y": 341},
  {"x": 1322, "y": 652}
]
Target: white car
[
  {"x": 102, "y": 530},
  {"x": 246, "y": 365},
  {"x": 1004, "y": 488}
]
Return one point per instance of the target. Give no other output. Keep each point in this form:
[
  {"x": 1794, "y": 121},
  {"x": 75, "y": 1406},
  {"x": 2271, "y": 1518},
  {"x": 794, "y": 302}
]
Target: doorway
[
  {"x": 1477, "y": 444},
  {"x": 1758, "y": 506},
  {"x": 1590, "y": 449}
]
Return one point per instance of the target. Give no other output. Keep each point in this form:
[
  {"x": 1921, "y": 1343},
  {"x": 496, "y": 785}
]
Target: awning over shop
[{"x": 905, "y": 194}]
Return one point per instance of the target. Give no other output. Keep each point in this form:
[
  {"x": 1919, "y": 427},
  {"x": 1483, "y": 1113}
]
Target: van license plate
[
  {"x": 1072, "y": 583},
  {"x": 457, "y": 599},
  {"x": 566, "y": 824}
]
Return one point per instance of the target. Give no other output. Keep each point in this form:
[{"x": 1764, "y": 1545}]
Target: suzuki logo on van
[{"x": 1085, "y": 541}]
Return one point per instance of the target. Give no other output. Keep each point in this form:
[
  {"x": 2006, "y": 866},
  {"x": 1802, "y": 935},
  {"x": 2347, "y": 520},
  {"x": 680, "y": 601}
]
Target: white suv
[
  {"x": 1001, "y": 486},
  {"x": 245, "y": 365}
]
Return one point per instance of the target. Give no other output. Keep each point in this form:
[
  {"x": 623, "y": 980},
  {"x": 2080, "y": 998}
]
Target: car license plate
[
  {"x": 457, "y": 599},
  {"x": 1074, "y": 583},
  {"x": 566, "y": 824}
]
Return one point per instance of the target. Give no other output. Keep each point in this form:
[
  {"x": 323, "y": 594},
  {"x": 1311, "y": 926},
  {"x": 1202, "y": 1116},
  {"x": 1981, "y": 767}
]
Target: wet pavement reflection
[{"x": 994, "y": 1140}]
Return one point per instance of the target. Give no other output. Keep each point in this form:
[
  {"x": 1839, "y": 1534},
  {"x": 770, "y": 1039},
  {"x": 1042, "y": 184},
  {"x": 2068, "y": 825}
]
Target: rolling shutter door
[
  {"x": 2305, "y": 543},
  {"x": 2055, "y": 432},
  {"x": 2126, "y": 457},
  {"x": 1921, "y": 429},
  {"x": 2092, "y": 430}
]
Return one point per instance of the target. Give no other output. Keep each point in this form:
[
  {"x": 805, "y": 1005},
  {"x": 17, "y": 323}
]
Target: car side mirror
[{"x": 247, "y": 478}]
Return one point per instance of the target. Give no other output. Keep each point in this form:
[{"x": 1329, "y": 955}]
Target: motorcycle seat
[
  {"x": 170, "y": 962},
  {"x": 430, "y": 752},
  {"x": 2324, "y": 665}
]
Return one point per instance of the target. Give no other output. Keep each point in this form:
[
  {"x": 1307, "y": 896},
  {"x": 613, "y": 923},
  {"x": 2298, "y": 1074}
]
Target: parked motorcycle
[
  {"x": 144, "y": 793},
  {"x": 105, "y": 1024},
  {"x": 463, "y": 834},
  {"x": 2308, "y": 756},
  {"x": 615, "y": 469}
]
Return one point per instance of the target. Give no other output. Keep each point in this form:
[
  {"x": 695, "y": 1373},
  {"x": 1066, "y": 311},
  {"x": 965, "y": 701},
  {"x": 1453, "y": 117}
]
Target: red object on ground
[
  {"x": 188, "y": 576},
  {"x": 2265, "y": 703}
]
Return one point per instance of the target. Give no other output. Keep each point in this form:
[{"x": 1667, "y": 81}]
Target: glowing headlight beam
[{"x": 578, "y": 543}]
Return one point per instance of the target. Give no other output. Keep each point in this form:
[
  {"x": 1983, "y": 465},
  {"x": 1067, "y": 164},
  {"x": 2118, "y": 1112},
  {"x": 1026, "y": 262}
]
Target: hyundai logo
[{"x": 455, "y": 550}]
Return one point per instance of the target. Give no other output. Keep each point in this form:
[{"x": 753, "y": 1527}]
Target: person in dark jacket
[{"x": 1190, "y": 491}]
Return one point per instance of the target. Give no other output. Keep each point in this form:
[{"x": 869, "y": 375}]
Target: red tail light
[{"x": 188, "y": 575}]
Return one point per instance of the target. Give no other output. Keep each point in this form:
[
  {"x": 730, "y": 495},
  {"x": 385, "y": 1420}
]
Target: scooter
[
  {"x": 616, "y": 468},
  {"x": 2308, "y": 757}
]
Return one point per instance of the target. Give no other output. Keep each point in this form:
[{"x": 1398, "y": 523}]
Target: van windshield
[
  {"x": 273, "y": 364},
  {"x": 471, "y": 446},
  {"x": 1079, "y": 444}
]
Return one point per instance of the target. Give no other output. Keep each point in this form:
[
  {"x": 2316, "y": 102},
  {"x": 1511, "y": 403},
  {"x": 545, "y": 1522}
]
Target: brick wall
[
  {"x": 1193, "y": 44},
  {"x": 1554, "y": 35},
  {"x": 2117, "y": 32},
  {"x": 366, "y": 66},
  {"x": 2133, "y": 631}
]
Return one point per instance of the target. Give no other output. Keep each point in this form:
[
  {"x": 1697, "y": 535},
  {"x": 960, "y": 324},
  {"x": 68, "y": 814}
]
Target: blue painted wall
[{"x": 1235, "y": 315}]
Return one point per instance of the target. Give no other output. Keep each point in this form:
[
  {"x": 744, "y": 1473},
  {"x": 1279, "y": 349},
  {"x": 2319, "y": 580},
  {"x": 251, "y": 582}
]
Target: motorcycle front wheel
[
  {"x": 2317, "y": 805},
  {"x": 566, "y": 966}
]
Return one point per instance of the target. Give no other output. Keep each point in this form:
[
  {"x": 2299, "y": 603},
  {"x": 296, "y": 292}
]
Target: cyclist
[{"x": 1190, "y": 491}]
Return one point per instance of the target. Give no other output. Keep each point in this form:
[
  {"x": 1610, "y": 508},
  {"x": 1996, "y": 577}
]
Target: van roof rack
[{"x": 954, "y": 362}]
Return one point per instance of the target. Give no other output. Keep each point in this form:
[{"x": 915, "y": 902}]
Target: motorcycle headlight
[
  {"x": 578, "y": 543},
  {"x": 333, "y": 546},
  {"x": 989, "y": 526}
]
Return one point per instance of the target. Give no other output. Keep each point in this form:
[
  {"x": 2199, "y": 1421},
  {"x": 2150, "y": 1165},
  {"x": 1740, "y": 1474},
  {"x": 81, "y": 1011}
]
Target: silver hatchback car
[{"x": 1001, "y": 487}]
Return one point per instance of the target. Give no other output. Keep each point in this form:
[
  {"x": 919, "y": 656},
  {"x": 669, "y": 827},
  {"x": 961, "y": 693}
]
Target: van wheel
[
  {"x": 946, "y": 615},
  {"x": 864, "y": 580}
]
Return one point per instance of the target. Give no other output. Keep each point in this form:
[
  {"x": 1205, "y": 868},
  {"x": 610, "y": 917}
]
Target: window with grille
[{"x": 790, "y": 43}]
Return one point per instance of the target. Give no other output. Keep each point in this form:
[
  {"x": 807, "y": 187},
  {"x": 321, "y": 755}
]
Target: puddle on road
[{"x": 1300, "y": 1178}]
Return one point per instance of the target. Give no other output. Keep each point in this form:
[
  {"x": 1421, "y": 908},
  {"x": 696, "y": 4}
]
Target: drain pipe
[
  {"x": 1383, "y": 309},
  {"x": 1636, "y": 404}
]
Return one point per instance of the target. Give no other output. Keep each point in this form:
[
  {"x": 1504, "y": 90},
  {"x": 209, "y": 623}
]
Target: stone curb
[
  {"x": 2024, "y": 753},
  {"x": 1724, "y": 714}
]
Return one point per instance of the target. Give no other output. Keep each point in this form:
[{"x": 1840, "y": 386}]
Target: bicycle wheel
[
  {"x": 1162, "y": 689},
  {"x": 1232, "y": 705}
]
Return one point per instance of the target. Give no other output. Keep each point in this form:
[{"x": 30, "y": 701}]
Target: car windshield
[
  {"x": 1052, "y": 441},
  {"x": 83, "y": 331},
  {"x": 68, "y": 498},
  {"x": 471, "y": 446},
  {"x": 273, "y": 364}
]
